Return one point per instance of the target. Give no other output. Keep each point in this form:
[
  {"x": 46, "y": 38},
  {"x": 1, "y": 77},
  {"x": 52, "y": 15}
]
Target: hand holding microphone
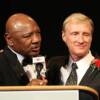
[
  {"x": 36, "y": 71},
  {"x": 40, "y": 66}
]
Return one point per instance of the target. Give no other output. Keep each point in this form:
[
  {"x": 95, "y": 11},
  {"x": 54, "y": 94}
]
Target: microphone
[
  {"x": 40, "y": 66},
  {"x": 36, "y": 69}
]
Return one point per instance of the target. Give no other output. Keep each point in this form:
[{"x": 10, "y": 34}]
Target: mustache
[{"x": 36, "y": 44}]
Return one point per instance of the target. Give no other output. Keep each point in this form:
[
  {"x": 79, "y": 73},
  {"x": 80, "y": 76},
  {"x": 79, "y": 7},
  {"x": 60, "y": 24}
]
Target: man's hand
[{"x": 38, "y": 82}]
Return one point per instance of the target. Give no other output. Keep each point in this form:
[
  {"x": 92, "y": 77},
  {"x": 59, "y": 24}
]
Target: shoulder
[
  {"x": 2, "y": 60},
  {"x": 1, "y": 50},
  {"x": 58, "y": 60},
  {"x": 1, "y": 53},
  {"x": 5, "y": 55}
]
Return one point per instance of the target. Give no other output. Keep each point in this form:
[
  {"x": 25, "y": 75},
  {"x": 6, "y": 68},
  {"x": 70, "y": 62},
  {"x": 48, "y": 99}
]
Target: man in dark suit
[
  {"x": 77, "y": 34},
  {"x": 23, "y": 40}
]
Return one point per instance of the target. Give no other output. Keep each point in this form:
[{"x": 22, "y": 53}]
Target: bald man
[{"x": 23, "y": 39}]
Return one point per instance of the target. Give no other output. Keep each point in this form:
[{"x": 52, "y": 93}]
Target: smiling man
[{"x": 77, "y": 32}]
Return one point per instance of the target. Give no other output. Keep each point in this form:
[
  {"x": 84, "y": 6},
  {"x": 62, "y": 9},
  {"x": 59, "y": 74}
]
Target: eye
[
  {"x": 75, "y": 33},
  {"x": 27, "y": 35},
  {"x": 86, "y": 34}
]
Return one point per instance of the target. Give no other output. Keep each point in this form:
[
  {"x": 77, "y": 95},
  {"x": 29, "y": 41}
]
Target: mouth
[
  {"x": 36, "y": 49},
  {"x": 81, "y": 46}
]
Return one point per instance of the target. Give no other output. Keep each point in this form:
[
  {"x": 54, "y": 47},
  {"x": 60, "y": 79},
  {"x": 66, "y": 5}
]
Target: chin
[
  {"x": 81, "y": 54},
  {"x": 35, "y": 54}
]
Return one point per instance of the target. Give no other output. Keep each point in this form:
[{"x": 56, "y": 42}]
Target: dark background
[{"x": 50, "y": 14}]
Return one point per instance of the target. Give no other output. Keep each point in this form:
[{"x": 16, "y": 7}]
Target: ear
[
  {"x": 8, "y": 39},
  {"x": 63, "y": 36}
]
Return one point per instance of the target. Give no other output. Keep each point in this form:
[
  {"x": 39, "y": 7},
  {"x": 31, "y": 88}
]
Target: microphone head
[
  {"x": 35, "y": 68},
  {"x": 40, "y": 66}
]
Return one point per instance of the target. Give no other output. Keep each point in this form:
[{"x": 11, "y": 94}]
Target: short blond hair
[{"x": 79, "y": 17}]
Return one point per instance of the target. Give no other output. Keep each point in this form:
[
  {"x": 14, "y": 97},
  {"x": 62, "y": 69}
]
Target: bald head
[
  {"x": 23, "y": 34},
  {"x": 18, "y": 22}
]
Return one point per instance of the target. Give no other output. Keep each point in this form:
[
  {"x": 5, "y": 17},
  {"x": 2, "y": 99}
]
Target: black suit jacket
[
  {"x": 91, "y": 78},
  {"x": 11, "y": 71}
]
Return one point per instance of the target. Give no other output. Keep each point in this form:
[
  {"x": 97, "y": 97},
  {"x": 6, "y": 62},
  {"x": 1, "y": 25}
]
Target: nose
[
  {"x": 36, "y": 38},
  {"x": 81, "y": 39}
]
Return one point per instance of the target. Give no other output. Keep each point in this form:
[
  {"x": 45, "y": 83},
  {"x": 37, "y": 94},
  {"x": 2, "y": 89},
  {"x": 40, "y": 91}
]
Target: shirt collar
[{"x": 86, "y": 60}]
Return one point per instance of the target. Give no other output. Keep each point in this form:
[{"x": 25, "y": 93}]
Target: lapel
[
  {"x": 89, "y": 75},
  {"x": 53, "y": 69},
  {"x": 62, "y": 62},
  {"x": 13, "y": 63}
]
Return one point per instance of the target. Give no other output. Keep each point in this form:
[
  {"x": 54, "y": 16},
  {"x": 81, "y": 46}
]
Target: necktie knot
[
  {"x": 26, "y": 61},
  {"x": 74, "y": 66}
]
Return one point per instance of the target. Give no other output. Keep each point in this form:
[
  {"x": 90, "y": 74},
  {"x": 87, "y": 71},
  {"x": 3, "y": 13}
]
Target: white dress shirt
[{"x": 83, "y": 65}]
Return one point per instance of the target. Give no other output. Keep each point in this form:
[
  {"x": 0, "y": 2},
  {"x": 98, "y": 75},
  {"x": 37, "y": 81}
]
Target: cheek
[
  {"x": 69, "y": 40},
  {"x": 88, "y": 40},
  {"x": 22, "y": 43},
  {"x": 26, "y": 43},
  {"x": 69, "y": 43}
]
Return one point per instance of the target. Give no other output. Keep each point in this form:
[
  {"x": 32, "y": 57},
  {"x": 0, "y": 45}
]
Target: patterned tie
[{"x": 72, "y": 79}]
